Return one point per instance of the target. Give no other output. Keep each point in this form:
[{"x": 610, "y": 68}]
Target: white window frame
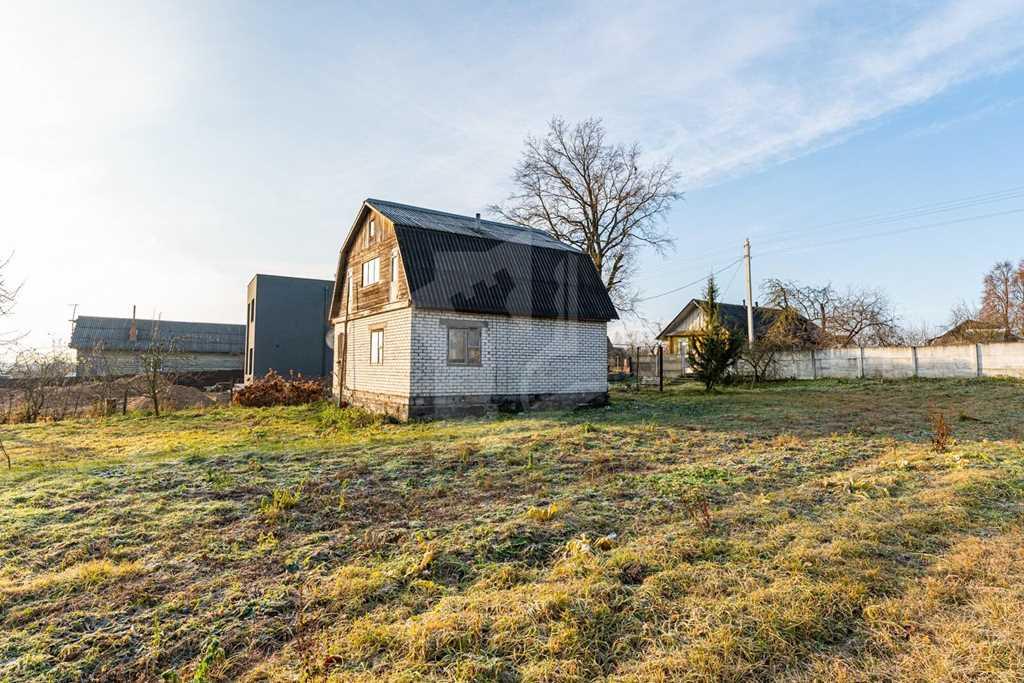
[
  {"x": 371, "y": 231},
  {"x": 377, "y": 346},
  {"x": 393, "y": 286},
  {"x": 371, "y": 272}
]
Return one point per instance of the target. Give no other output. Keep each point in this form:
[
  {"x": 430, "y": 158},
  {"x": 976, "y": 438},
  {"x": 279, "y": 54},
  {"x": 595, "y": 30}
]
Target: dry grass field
[{"x": 794, "y": 532}]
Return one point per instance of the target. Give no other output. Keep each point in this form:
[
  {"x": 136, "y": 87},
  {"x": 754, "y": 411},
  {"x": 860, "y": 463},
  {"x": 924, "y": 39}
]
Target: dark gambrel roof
[
  {"x": 453, "y": 272},
  {"x": 416, "y": 217},
  {"x": 183, "y": 337},
  {"x": 456, "y": 263}
]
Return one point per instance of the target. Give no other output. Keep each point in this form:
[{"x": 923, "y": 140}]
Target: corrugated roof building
[
  {"x": 436, "y": 313},
  {"x": 115, "y": 345}
]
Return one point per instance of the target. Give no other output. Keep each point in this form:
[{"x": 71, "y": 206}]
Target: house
[
  {"x": 115, "y": 346},
  {"x": 690, "y": 321},
  {"x": 975, "y": 332},
  {"x": 618, "y": 359},
  {"x": 286, "y": 326},
  {"x": 438, "y": 314}
]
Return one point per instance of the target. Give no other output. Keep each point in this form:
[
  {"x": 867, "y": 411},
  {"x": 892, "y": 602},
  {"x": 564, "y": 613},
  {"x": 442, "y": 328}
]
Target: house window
[
  {"x": 252, "y": 311},
  {"x": 371, "y": 231},
  {"x": 393, "y": 287},
  {"x": 376, "y": 347},
  {"x": 371, "y": 272},
  {"x": 463, "y": 346},
  {"x": 250, "y": 361}
]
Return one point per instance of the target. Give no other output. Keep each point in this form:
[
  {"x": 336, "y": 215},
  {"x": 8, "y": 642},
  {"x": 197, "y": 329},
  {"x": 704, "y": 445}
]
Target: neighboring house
[
  {"x": 975, "y": 332},
  {"x": 114, "y": 346},
  {"x": 690, "y": 321},
  {"x": 618, "y": 359},
  {"x": 286, "y": 326},
  {"x": 438, "y": 314}
]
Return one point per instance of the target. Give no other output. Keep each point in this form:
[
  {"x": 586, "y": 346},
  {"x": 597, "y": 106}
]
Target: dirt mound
[{"x": 174, "y": 397}]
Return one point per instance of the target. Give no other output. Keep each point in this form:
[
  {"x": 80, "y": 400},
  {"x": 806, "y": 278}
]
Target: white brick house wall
[
  {"x": 519, "y": 355},
  {"x": 391, "y": 376}
]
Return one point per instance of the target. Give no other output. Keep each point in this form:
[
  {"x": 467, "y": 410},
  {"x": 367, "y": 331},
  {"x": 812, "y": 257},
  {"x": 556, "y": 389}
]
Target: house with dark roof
[
  {"x": 438, "y": 314},
  {"x": 690, "y": 321},
  {"x": 115, "y": 346},
  {"x": 975, "y": 332}
]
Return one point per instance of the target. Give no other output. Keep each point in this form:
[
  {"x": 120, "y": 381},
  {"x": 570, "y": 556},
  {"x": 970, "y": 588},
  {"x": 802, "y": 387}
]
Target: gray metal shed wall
[{"x": 290, "y": 327}]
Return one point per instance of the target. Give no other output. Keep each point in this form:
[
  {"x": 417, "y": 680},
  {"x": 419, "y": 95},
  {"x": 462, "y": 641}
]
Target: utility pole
[{"x": 750, "y": 294}]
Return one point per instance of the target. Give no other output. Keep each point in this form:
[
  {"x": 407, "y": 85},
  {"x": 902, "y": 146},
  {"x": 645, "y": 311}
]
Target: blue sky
[{"x": 159, "y": 154}]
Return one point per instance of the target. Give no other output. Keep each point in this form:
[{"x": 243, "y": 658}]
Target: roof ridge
[
  {"x": 154, "y": 320},
  {"x": 524, "y": 228}
]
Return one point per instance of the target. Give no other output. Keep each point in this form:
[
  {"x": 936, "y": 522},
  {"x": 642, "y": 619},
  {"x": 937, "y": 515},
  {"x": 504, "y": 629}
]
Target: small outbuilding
[
  {"x": 286, "y": 326},
  {"x": 438, "y": 314}
]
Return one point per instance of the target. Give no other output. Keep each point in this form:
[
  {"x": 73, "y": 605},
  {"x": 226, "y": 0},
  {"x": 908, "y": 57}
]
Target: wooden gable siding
[{"x": 375, "y": 297}]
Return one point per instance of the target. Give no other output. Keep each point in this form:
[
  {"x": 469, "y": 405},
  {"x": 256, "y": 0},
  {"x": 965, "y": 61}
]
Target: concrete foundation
[{"x": 444, "y": 406}]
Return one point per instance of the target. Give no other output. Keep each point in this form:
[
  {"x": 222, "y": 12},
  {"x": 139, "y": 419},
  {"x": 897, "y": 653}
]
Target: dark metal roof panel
[
  {"x": 184, "y": 337},
  {"x": 468, "y": 226},
  {"x": 452, "y": 271}
]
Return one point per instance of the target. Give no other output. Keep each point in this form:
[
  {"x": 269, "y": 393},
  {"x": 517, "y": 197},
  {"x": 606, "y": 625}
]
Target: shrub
[
  {"x": 333, "y": 418},
  {"x": 275, "y": 390},
  {"x": 941, "y": 433}
]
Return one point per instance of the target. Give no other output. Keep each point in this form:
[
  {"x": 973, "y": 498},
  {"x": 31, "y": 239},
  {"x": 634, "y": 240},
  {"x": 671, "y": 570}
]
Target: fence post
[
  {"x": 661, "y": 368},
  {"x": 636, "y": 374},
  {"x": 860, "y": 363},
  {"x": 814, "y": 366},
  {"x": 977, "y": 360},
  {"x": 913, "y": 358}
]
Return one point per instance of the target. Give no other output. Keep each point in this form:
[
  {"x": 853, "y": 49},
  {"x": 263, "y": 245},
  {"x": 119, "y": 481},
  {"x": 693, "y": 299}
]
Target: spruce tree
[{"x": 715, "y": 349}]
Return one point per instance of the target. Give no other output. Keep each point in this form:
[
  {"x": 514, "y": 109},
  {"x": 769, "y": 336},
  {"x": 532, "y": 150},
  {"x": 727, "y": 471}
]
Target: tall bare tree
[
  {"x": 1002, "y": 298},
  {"x": 8, "y": 295},
  {"x": 864, "y": 317},
  {"x": 596, "y": 196}
]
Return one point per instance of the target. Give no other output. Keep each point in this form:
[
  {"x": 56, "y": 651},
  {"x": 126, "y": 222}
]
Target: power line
[
  {"x": 870, "y": 220},
  {"x": 691, "y": 284},
  {"x": 898, "y": 231},
  {"x": 897, "y": 216}
]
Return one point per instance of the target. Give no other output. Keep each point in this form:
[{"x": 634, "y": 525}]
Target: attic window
[
  {"x": 371, "y": 272},
  {"x": 371, "y": 231}
]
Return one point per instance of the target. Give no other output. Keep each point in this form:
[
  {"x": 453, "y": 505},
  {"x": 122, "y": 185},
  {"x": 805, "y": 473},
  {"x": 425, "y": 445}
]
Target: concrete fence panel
[
  {"x": 964, "y": 360},
  {"x": 896, "y": 362},
  {"x": 1002, "y": 360},
  {"x": 948, "y": 361}
]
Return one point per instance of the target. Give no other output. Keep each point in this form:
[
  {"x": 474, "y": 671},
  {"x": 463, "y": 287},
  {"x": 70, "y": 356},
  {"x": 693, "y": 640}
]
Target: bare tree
[
  {"x": 788, "y": 331},
  {"x": 152, "y": 361},
  {"x": 8, "y": 296},
  {"x": 596, "y": 196},
  {"x": 864, "y": 317},
  {"x": 106, "y": 384},
  {"x": 1002, "y": 298},
  {"x": 40, "y": 380},
  {"x": 962, "y": 312}
]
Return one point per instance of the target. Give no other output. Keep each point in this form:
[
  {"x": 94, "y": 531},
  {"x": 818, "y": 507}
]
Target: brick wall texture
[{"x": 518, "y": 356}]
